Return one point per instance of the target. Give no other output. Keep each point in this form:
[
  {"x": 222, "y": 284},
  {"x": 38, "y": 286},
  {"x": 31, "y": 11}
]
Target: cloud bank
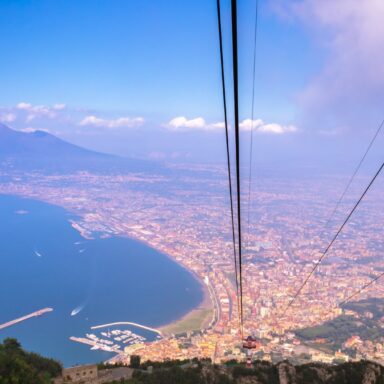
[
  {"x": 38, "y": 111},
  {"x": 122, "y": 122},
  {"x": 259, "y": 126},
  {"x": 182, "y": 124},
  {"x": 351, "y": 81}
]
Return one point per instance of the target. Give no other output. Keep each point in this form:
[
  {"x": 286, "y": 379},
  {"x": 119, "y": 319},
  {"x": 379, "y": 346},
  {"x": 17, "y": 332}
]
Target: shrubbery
[{"x": 20, "y": 367}]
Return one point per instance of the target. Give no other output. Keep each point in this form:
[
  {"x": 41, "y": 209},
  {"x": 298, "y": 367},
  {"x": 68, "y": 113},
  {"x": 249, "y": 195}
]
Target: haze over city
[{"x": 118, "y": 236}]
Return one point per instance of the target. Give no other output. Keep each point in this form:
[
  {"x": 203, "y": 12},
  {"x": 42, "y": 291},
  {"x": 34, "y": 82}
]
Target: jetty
[
  {"x": 128, "y": 323},
  {"x": 26, "y": 317}
]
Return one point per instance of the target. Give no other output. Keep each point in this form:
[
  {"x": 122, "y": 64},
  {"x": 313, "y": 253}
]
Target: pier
[
  {"x": 128, "y": 323},
  {"x": 26, "y": 317}
]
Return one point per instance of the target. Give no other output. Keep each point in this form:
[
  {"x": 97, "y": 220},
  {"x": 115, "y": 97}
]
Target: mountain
[{"x": 42, "y": 151}]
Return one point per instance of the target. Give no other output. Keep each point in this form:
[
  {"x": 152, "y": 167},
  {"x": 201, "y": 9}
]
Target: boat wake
[{"x": 77, "y": 310}]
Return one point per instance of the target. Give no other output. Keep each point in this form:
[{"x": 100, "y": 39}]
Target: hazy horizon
[
  {"x": 143, "y": 80},
  {"x": 89, "y": 240}
]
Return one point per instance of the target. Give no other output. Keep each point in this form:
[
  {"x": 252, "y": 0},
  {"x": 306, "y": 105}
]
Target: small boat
[{"x": 77, "y": 310}]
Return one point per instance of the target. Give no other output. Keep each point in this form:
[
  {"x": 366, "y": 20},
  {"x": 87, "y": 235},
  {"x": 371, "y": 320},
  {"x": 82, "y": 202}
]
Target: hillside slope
[{"x": 44, "y": 152}]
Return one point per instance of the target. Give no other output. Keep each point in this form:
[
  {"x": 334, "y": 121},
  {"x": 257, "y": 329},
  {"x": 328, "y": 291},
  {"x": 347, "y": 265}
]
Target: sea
[{"x": 45, "y": 262}]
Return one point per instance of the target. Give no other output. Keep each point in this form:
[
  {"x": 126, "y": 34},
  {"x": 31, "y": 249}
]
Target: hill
[
  {"x": 20, "y": 367},
  {"x": 41, "y": 151},
  {"x": 262, "y": 372}
]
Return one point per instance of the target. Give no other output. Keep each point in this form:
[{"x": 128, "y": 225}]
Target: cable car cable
[
  {"x": 364, "y": 287},
  {"x": 237, "y": 145},
  {"x": 335, "y": 237},
  {"x": 228, "y": 152},
  {"x": 341, "y": 198},
  {"x": 252, "y": 117},
  {"x": 354, "y": 174},
  {"x": 361, "y": 289}
]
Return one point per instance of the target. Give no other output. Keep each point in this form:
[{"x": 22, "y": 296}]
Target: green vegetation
[
  {"x": 262, "y": 371},
  {"x": 172, "y": 375},
  {"x": 135, "y": 361},
  {"x": 348, "y": 373},
  {"x": 174, "y": 363},
  {"x": 374, "y": 305},
  {"x": 20, "y": 367},
  {"x": 338, "y": 330},
  {"x": 203, "y": 372}
]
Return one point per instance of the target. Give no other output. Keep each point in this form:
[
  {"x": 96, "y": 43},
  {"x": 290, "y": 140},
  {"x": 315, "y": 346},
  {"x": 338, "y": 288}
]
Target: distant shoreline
[{"x": 198, "y": 318}]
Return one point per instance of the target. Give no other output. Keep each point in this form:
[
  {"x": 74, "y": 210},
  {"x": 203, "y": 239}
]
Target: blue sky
[{"x": 115, "y": 74}]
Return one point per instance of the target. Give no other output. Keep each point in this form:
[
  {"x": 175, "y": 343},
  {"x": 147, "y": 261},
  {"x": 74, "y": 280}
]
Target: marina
[
  {"x": 128, "y": 323},
  {"x": 66, "y": 282},
  {"x": 114, "y": 340}
]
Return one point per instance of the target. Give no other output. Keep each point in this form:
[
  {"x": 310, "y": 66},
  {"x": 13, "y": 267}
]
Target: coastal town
[{"x": 188, "y": 219}]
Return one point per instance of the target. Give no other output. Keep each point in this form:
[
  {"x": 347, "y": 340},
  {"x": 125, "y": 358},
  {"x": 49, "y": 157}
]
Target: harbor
[{"x": 113, "y": 339}]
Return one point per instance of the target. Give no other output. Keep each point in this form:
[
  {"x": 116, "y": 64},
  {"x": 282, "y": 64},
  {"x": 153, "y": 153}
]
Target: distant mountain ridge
[
  {"x": 43, "y": 151},
  {"x": 38, "y": 142}
]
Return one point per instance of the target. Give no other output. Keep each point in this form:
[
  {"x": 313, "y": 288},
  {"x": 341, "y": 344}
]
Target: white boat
[{"x": 77, "y": 310}]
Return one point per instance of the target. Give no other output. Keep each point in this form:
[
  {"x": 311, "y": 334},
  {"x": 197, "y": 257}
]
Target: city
[{"x": 188, "y": 219}]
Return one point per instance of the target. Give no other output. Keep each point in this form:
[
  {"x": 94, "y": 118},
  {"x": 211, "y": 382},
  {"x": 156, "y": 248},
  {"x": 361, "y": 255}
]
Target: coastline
[
  {"x": 201, "y": 317},
  {"x": 197, "y": 319}
]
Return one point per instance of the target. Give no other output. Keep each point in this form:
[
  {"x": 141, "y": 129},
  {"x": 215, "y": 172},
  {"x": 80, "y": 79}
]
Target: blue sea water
[{"x": 115, "y": 279}]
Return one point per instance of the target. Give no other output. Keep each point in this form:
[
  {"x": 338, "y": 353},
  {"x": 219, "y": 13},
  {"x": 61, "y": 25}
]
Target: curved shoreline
[
  {"x": 203, "y": 316},
  {"x": 198, "y": 319}
]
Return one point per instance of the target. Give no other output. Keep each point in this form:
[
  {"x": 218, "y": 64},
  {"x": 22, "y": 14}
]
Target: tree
[
  {"x": 20, "y": 367},
  {"x": 135, "y": 361}
]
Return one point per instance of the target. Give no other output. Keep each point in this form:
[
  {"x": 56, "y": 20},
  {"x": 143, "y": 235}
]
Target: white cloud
[
  {"x": 351, "y": 34},
  {"x": 7, "y": 117},
  {"x": 181, "y": 123},
  {"x": 23, "y": 105},
  {"x": 276, "y": 129},
  {"x": 32, "y": 130},
  {"x": 219, "y": 125},
  {"x": 38, "y": 111},
  {"x": 122, "y": 122},
  {"x": 59, "y": 107},
  {"x": 259, "y": 126},
  {"x": 248, "y": 124},
  {"x": 28, "y": 130}
]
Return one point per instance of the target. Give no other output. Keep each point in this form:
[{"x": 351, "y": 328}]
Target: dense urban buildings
[{"x": 185, "y": 214}]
